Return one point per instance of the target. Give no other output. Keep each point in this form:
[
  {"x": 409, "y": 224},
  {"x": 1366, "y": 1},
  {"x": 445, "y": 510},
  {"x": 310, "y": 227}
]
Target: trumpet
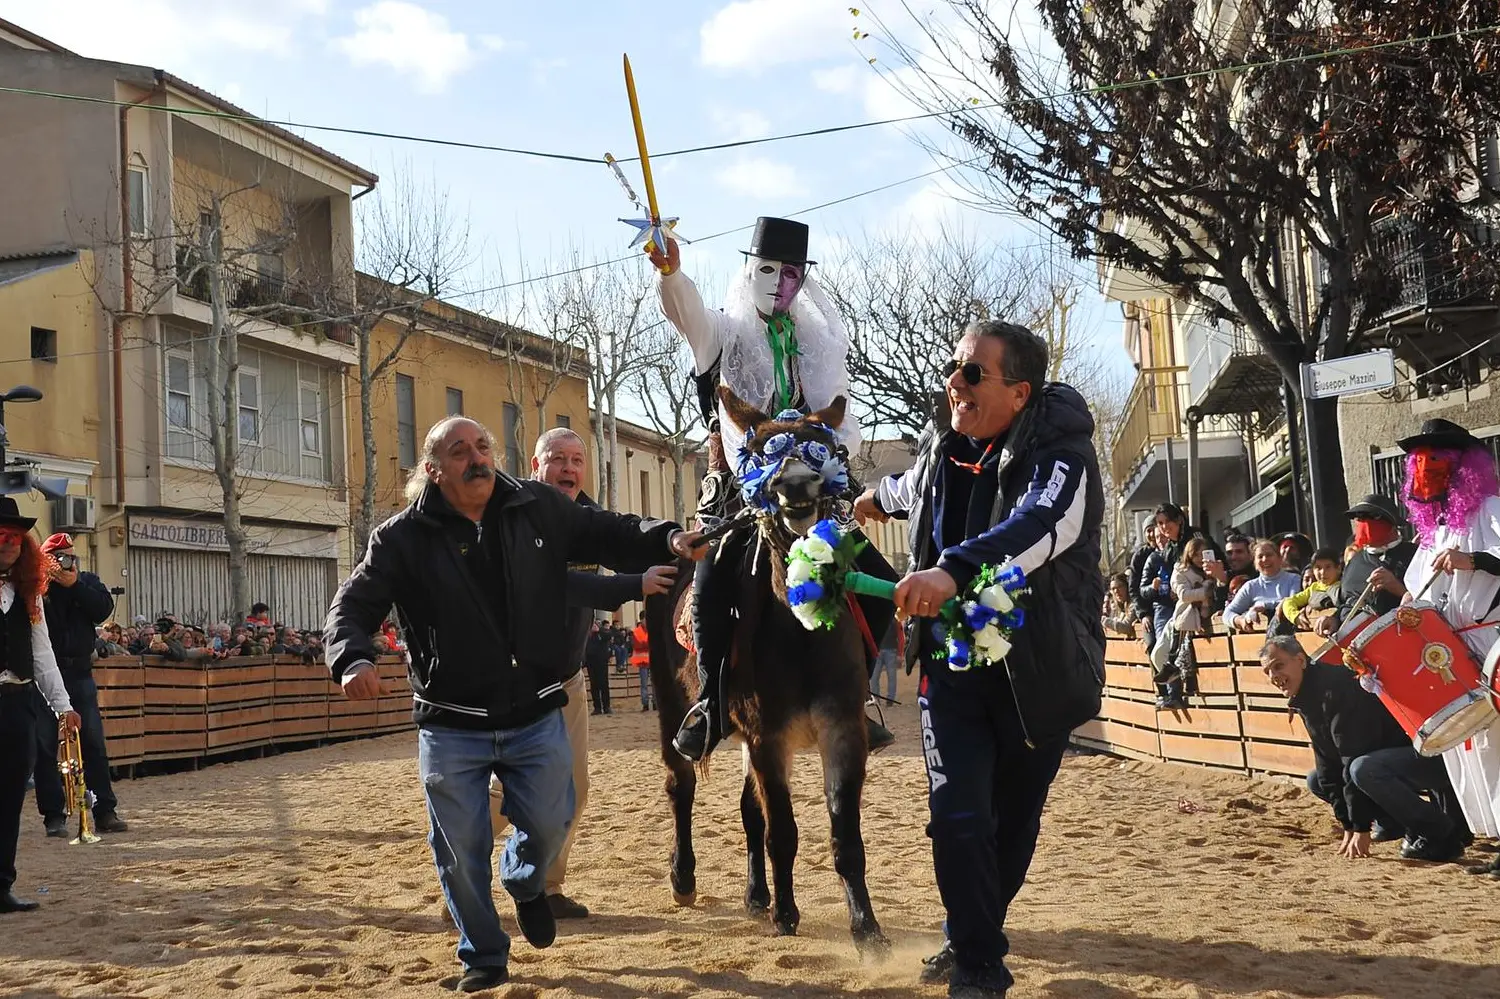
[{"x": 76, "y": 795}]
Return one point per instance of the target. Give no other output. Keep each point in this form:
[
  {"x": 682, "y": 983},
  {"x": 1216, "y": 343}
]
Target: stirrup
[{"x": 685, "y": 741}]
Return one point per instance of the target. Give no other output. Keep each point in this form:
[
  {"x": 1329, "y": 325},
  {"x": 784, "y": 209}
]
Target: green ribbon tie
[{"x": 781, "y": 333}]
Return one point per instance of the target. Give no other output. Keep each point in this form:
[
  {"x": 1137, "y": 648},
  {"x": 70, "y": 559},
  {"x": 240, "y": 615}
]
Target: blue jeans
[
  {"x": 645, "y": 686},
  {"x": 885, "y": 666},
  {"x": 535, "y": 767}
]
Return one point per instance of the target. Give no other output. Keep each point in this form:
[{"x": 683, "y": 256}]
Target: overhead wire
[{"x": 1099, "y": 89}]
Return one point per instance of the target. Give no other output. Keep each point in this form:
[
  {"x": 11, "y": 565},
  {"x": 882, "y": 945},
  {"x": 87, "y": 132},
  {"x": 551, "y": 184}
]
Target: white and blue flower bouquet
[{"x": 975, "y": 627}]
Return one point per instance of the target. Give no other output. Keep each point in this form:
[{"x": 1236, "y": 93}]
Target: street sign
[{"x": 1369, "y": 372}]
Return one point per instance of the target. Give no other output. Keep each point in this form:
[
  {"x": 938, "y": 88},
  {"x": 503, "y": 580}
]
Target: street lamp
[{"x": 21, "y": 479}]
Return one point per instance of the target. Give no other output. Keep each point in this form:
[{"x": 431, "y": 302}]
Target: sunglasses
[{"x": 972, "y": 373}]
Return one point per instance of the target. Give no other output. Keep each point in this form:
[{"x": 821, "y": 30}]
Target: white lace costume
[{"x": 736, "y": 338}]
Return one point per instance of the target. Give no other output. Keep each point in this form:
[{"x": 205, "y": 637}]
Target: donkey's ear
[
  {"x": 832, "y": 415},
  {"x": 740, "y": 412}
]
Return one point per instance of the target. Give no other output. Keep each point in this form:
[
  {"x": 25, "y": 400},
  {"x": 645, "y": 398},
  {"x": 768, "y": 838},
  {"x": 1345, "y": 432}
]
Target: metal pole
[
  {"x": 1195, "y": 480},
  {"x": 1294, "y": 443},
  {"x": 1171, "y": 478},
  {"x": 1311, "y": 422}
]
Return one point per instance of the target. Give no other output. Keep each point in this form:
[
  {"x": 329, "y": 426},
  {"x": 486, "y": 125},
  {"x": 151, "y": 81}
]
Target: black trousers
[
  {"x": 986, "y": 790},
  {"x": 18, "y": 721},
  {"x": 599, "y": 685},
  {"x": 84, "y": 694}
]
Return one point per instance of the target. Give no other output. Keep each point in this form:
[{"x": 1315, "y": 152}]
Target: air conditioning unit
[{"x": 73, "y": 514}]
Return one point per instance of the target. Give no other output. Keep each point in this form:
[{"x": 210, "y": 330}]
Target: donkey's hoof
[
  {"x": 756, "y": 909},
  {"x": 686, "y": 899},
  {"x": 872, "y": 945},
  {"x": 786, "y": 926}
]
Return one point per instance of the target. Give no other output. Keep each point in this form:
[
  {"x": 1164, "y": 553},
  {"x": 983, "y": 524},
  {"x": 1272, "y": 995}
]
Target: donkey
[{"x": 788, "y": 689}]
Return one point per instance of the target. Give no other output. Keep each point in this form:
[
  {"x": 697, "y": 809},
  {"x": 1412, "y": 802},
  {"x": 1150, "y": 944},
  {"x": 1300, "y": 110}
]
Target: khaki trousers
[{"x": 576, "y": 718}]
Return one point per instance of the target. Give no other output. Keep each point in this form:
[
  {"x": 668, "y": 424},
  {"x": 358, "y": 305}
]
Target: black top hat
[
  {"x": 10, "y": 515},
  {"x": 1441, "y": 434},
  {"x": 779, "y": 239},
  {"x": 1374, "y": 507}
]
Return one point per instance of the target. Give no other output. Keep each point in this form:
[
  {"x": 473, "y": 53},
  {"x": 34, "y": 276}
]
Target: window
[
  {"x": 646, "y": 495},
  {"x": 406, "y": 420},
  {"x": 565, "y": 421},
  {"x": 179, "y": 392},
  {"x": 310, "y": 405},
  {"x": 249, "y": 406},
  {"x": 135, "y": 191},
  {"x": 455, "y": 402},
  {"x": 512, "y": 449},
  {"x": 43, "y": 344}
]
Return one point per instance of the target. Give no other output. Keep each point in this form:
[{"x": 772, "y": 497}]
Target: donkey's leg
[
  {"x": 757, "y": 893},
  {"x": 681, "y": 785},
  {"x": 771, "y": 762},
  {"x": 841, "y": 743}
]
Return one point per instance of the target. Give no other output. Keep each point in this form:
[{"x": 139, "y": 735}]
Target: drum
[{"x": 1427, "y": 676}]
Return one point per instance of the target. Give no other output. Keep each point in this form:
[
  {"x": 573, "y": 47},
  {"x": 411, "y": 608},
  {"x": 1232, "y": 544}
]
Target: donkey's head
[{"x": 792, "y": 467}]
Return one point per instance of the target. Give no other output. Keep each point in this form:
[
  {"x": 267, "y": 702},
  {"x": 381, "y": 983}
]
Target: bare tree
[
  {"x": 669, "y": 395},
  {"x": 411, "y": 250},
  {"x": 905, "y": 300},
  {"x": 1265, "y": 162},
  {"x": 612, "y": 308}
]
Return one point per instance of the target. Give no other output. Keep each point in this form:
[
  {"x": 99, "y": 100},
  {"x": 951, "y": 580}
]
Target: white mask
[{"x": 774, "y": 285}]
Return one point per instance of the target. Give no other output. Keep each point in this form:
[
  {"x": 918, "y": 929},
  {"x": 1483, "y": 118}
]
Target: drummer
[
  {"x": 1452, "y": 500},
  {"x": 1380, "y": 562}
]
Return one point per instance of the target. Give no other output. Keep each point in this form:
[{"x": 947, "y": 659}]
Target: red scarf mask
[
  {"x": 1430, "y": 474},
  {"x": 1373, "y": 533}
]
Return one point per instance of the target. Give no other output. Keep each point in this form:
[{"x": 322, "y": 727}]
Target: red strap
[{"x": 871, "y": 646}]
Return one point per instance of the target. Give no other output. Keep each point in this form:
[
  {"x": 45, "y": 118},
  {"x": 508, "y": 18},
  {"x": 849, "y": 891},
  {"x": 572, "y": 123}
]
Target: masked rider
[{"x": 779, "y": 345}]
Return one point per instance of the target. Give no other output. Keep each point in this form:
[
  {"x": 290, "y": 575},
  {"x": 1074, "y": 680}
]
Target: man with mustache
[
  {"x": 27, "y": 666},
  {"x": 477, "y": 569},
  {"x": 561, "y": 460}
]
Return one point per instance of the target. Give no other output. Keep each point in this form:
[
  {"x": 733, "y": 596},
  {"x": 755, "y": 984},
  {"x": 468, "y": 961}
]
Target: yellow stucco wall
[{"x": 435, "y": 364}]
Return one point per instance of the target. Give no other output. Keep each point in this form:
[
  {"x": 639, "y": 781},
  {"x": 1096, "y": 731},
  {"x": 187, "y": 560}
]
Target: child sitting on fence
[{"x": 1322, "y": 594}]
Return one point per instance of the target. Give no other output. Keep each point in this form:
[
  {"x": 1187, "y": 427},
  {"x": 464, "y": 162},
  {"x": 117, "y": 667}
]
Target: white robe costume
[
  {"x": 1465, "y": 599},
  {"x": 736, "y": 338}
]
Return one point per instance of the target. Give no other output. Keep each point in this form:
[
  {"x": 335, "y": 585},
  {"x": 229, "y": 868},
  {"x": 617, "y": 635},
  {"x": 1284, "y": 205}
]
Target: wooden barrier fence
[
  {"x": 155, "y": 709},
  {"x": 1239, "y": 721}
]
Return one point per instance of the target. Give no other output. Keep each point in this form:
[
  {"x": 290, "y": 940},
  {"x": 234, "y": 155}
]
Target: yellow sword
[
  {"x": 652, "y": 231},
  {"x": 640, "y": 144}
]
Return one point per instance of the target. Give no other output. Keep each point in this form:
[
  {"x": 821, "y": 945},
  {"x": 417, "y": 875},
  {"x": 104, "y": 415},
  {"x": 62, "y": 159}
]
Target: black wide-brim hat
[
  {"x": 1440, "y": 434},
  {"x": 779, "y": 239},
  {"x": 1374, "y": 507},
  {"x": 10, "y": 515}
]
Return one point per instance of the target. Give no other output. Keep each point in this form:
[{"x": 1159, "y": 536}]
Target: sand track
[{"x": 308, "y": 873}]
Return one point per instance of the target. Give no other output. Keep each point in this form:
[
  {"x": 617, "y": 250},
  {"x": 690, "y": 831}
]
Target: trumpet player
[
  {"x": 26, "y": 662},
  {"x": 76, "y": 602}
]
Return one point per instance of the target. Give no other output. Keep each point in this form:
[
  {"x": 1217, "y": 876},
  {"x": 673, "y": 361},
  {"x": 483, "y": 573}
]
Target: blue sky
[{"x": 547, "y": 76}]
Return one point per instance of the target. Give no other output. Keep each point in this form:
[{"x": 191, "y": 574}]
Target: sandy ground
[{"x": 309, "y": 872}]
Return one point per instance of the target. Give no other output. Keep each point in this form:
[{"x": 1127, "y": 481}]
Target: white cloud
[
  {"x": 494, "y": 43},
  {"x": 409, "y": 39},
  {"x": 838, "y": 80},
  {"x": 737, "y": 125},
  {"x": 182, "y": 36},
  {"x": 758, "y": 177},
  {"x": 754, "y": 34}
]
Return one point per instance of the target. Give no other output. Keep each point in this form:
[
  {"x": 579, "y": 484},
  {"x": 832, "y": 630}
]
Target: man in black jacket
[
  {"x": 1366, "y": 767},
  {"x": 477, "y": 569},
  {"x": 1380, "y": 563},
  {"x": 76, "y": 603},
  {"x": 1016, "y": 482}
]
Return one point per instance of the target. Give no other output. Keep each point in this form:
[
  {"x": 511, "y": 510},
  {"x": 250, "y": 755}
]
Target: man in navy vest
[{"x": 1013, "y": 482}]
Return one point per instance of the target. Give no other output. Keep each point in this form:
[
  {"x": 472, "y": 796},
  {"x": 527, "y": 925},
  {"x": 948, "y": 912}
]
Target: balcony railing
[
  {"x": 1425, "y": 273},
  {"x": 1156, "y": 411},
  {"x": 274, "y": 299}
]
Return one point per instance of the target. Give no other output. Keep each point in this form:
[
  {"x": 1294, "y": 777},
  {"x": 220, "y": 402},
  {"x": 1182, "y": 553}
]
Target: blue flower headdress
[{"x": 756, "y": 470}]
